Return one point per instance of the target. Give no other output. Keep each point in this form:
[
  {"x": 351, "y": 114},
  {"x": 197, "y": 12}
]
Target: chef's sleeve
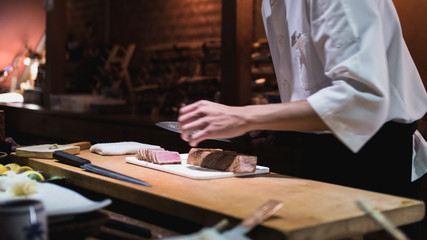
[{"x": 349, "y": 40}]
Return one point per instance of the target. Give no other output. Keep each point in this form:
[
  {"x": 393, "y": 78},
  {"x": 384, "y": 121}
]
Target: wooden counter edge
[
  {"x": 207, "y": 217},
  {"x": 401, "y": 216},
  {"x": 127, "y": 193}
]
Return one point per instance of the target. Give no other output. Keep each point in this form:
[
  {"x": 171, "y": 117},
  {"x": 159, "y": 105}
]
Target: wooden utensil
[
  {"x": 262, "y": 213},
  {"x": 46, "y": 150},
  {"x": 382, "y": 220}
]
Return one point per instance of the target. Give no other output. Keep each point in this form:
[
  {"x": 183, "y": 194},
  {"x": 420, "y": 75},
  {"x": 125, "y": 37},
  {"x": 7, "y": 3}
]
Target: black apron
[{"x": 383, "y": 165}]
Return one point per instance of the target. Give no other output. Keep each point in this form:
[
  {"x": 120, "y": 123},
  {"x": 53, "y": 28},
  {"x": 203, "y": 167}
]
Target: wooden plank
[
  {"x": 236, "y": 49},
  {"x": 312, "y": 210},
  {"x": 56, "y": 31},
  {"x": 45, "y": 150},
  {"x": 83, "y": 145},
  {"x": 156, "y": 231}
]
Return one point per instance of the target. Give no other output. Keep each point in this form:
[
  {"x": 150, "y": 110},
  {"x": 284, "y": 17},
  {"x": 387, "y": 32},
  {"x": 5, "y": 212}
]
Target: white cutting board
[{"x": 192, "y": 171}]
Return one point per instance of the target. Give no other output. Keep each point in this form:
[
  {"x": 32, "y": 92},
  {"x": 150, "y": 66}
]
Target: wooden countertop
[{"x": 312, "y": 210}]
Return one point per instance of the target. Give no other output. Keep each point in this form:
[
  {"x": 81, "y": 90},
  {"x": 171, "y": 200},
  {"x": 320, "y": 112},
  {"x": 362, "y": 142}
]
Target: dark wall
[
  {"x": 146, "y": 22},
  {"x": 80, "y": 12},
  {"x": 162, "y": 21}
]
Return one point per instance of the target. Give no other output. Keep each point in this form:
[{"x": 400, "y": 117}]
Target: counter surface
[{"x": 311, "y": 210}]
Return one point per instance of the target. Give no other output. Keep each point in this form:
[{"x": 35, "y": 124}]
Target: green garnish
[{"x": 53, "y": 146}]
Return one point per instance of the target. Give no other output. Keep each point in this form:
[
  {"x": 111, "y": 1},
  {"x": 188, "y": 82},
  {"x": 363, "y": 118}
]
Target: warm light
[
  {"x": 32, "y": 106},
  {"x": 30, "y": 75},
  {"x": 26, "y": 85},
  {"x": 27, "y": 61},
  {"x": 260, "y": 81},
  {"x": 11, "y": 97},
  {"x": 34, "y": 70}
]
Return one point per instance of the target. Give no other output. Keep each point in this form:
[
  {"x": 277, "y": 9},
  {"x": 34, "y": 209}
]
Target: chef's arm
[
  {"x": 220, "y": 121},
  {"x": 292, "y": 116}
]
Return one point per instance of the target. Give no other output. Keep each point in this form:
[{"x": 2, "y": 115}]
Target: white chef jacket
[{"x": 348, "y": 58}]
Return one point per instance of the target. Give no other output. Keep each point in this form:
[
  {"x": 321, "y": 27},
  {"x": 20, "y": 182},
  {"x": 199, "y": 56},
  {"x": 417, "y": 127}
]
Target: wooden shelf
[{"x": 31, "y": 124}]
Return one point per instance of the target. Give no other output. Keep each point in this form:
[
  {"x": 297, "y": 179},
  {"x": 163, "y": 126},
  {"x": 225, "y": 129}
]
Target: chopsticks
[{"x": 382, "y": 220}]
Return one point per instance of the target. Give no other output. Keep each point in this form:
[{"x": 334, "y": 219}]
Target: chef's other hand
[{"x": 204, "y": 120}]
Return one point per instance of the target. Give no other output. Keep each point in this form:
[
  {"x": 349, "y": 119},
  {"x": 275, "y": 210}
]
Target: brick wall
[
  {"x": 146, "y": 22},
  {"x": 166, "y": 25},
  {"x": 81, "y": 12},
  {"x": 163, "y": 21}
]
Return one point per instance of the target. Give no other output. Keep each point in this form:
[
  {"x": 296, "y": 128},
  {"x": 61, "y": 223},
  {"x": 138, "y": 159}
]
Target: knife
[
  {"x": 73, "y": 160},
  {"x": 173, "y": 126}
]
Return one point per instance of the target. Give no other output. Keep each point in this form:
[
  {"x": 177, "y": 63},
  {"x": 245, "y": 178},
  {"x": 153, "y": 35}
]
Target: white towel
[
  {"x": 419, "y": 156},
  {"x": 119, "y": 148}
]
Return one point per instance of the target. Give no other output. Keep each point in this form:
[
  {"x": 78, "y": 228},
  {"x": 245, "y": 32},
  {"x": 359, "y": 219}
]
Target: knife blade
[
  {"x": 169, "y": 125},
  {"x": 174, "y": 127},
  {"x": 76, "y": 161}
]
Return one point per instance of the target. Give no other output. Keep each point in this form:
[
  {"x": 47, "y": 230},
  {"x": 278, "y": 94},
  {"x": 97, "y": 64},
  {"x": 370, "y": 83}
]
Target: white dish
[
  {"x": 58, "y": 200},
  {"x": 192, "y": 171}
]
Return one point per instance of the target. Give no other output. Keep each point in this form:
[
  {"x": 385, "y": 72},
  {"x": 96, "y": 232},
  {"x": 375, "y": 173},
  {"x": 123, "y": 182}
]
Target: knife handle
[{"x": 69, "y": 159}]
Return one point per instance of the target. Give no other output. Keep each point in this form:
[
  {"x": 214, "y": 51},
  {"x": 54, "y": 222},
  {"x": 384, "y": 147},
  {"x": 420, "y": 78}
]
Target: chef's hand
[{"x": 210, "y": 120}]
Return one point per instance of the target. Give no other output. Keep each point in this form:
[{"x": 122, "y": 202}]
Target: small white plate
[{"x": 59, "y": 201}]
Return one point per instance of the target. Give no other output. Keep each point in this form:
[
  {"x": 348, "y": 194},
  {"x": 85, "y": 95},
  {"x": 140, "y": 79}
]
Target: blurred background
[{"x": 147, "y": 58}]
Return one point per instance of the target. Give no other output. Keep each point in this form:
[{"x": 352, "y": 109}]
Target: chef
[{"x": 347, "y": 83}]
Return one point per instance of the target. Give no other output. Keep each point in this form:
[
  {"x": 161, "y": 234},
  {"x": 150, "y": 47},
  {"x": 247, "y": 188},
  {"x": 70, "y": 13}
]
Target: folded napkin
[
  {"x": 205, "y": 234},
  {"x": 119, "y": 148}
]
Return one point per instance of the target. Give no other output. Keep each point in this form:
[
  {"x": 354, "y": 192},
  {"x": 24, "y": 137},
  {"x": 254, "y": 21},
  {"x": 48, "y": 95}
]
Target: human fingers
[
  {"x": 187, "y": 108},
  {"x": 193, "y": 117},
  {"x": 190, "y": 122},
  {"x": 189, "y": 115},
  {"x": 192, "y": 107},
  {"x": 194, "y": 126},
  {"x": 182, "y": 121},
  {"x": 188, "y": 132},
  {"x": 185, "y": 136},
  {"x": 197, "y": 137}
]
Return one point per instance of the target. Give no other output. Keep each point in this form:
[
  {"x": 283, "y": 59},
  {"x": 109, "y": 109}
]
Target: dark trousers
[{"x": 382, "y": 165}]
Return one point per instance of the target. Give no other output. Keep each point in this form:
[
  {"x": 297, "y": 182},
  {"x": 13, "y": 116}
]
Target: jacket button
[{"x": 281, "y": 40}]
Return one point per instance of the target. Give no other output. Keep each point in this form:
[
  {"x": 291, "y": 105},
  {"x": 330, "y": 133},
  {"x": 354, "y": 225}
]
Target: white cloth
[
  {"x": 119, "y": 148},
  {"x": 419, "y": 163},
  {"x": 349, "y": 60},
  {"x": 208, "y": 234}
]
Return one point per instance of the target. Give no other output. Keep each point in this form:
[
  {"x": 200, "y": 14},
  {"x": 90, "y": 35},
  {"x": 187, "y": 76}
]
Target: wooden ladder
[{"x": 118, "y": 61}]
